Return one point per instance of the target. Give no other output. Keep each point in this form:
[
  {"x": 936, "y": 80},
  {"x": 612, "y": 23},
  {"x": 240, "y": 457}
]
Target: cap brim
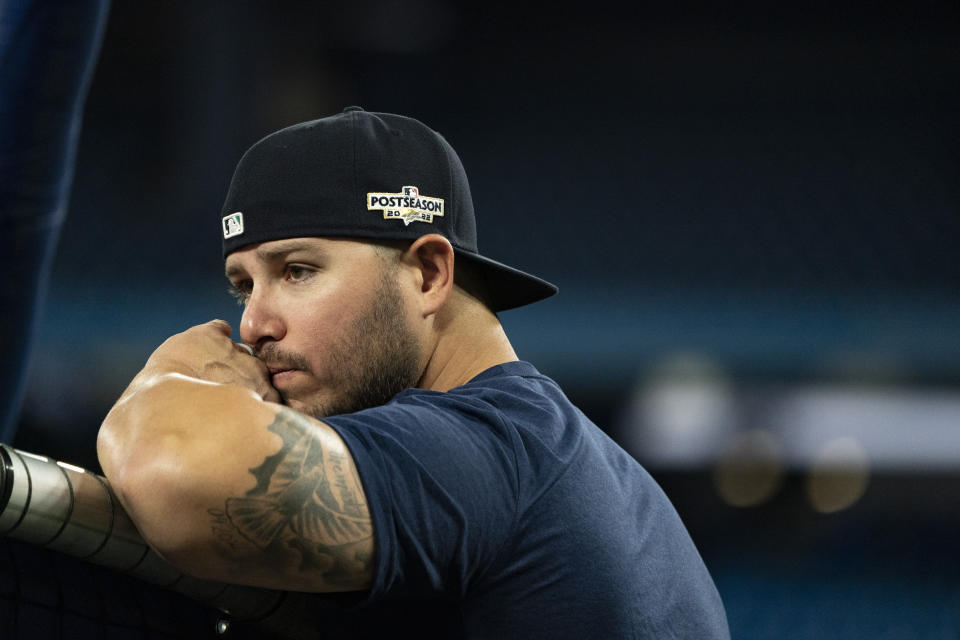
[{"x": 507, "y": 287}]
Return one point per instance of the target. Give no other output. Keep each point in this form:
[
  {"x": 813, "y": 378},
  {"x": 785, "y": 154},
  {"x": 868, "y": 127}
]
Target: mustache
[{"x": 273, "y": 356}]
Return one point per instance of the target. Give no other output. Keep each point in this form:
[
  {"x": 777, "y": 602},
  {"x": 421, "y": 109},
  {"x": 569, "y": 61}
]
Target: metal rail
[{"x": 64, "y": 508}]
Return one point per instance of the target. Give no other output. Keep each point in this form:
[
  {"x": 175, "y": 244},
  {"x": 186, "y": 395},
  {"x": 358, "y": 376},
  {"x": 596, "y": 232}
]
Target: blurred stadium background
[{"x": 752, "y": 213}]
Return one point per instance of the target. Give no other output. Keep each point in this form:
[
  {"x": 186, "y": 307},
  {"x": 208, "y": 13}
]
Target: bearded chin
[
  {"x": 373, "y": 391},
  {"x": 377, "y": 360}
]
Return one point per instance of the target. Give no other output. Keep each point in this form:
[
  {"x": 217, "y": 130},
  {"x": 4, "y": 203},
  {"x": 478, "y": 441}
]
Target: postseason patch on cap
[
  {"x": 408, "y": 205},
  {"x": 232, "y": 225}
]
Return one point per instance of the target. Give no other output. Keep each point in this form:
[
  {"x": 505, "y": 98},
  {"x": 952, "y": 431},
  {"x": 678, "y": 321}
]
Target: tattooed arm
[
  {"x": 306, "y": 508},
  {"x": 229, "y": 487}
]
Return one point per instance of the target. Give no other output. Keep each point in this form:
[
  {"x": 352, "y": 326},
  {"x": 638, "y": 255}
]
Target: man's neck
[{"x": 469, "y": 345}]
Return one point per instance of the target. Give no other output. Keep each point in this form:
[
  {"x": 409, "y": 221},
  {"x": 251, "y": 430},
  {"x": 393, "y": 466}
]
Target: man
[{"x": 381, "y": 437}]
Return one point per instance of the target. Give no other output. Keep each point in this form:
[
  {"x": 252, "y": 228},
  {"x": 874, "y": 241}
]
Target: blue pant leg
[{"x": 48, "y": 50}]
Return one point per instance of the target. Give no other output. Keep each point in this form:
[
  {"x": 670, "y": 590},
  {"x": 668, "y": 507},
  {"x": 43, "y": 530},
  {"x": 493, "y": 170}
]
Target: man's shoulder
[
  {"x": 510, "y": 407},
  {"x": 502, "y": 391}
]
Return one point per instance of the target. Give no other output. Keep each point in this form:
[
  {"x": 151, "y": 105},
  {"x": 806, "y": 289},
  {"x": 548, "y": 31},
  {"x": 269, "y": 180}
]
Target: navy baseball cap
[{"x": 359, "y": 174}]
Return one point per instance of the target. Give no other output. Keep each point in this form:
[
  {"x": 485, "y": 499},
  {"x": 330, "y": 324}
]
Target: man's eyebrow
[
  {"x": 278, "y": 252},
  {"x": 272, "y": 255}
]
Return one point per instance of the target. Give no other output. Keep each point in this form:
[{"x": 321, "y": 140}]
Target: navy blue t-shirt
[{"x": 501, "y": 511}]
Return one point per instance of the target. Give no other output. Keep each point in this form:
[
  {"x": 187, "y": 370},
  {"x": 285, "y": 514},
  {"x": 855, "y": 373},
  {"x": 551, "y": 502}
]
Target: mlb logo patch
[
  {"x": 232, "y": 225},
  {"x": 407, "y": 205}
]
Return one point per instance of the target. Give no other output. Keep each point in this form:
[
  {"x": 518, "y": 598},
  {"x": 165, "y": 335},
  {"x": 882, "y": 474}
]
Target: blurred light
[
  {"x": 897, "y": 429},
  {"x": 681, "y": 414},
  {"x": 750, "y": 469},
  {"x": 838, "y": 476}
]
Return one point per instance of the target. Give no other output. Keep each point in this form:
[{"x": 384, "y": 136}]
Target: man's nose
[{"x": 261, "y": 321}]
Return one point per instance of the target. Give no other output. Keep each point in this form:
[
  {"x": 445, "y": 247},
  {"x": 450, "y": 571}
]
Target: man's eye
[
  {"x": 298, "y": 273},
  {"x": 240, "y": 292}
]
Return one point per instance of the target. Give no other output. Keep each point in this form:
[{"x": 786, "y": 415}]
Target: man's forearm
[
  {"x": 187, "y": 459},
  {"x": 160, "y": 447}
]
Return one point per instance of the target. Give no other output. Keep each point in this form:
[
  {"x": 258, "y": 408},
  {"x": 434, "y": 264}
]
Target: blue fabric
[
  {"x": 48, "y": 50},
  {"x": 506, "y": 511}
]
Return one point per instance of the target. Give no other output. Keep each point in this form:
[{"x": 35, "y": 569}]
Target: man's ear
[{"x": 432, "y": 256}]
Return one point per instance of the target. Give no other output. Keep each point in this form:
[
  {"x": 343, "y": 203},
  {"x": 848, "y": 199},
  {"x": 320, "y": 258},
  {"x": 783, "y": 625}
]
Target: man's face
[{"x": 327, "y": 317}]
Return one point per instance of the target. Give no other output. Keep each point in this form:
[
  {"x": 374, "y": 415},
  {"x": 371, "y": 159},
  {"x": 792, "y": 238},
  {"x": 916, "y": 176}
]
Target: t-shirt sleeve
[{"x": 439, "y": 473}]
